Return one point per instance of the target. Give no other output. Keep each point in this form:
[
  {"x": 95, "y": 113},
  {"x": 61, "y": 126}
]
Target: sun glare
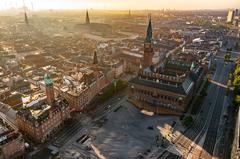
[
  {"x": 119, "y": 4},
  {"x": 52, "y": 4}
]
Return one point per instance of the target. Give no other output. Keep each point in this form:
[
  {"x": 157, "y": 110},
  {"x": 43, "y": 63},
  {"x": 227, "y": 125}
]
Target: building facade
[
  {"x": 230, "y": 16},
  {"x": 40, "y": 122},
  {"x": 79, "y": 94},
  {"x": 12, "y": 144},
  {"x": 40, "y": 119},
  {"x": 164, "y": 92}
]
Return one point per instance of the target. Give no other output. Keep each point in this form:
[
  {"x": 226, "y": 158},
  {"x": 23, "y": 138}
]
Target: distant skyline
[{"x": 122, "y": 4}]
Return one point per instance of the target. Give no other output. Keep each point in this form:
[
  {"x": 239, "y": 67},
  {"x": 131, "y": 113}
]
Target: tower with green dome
[
  {"x": 49, "y": 88},
  {"x": 48, "y": 80},
  {"x": 193, "y": 66}
]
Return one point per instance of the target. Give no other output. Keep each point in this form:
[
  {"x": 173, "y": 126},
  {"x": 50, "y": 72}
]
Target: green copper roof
[
  {"x": 178, "y": 64},
  {"x": 149, "y": 32},
  {"x": 48, "y": 80},
  {"x": 193, "y": 65}
]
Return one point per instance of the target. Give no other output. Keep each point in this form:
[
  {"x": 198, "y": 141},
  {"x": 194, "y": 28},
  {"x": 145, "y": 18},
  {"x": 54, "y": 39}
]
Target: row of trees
[
  {"x": 200, "y": 97},
  {"x": 227, "y": 56},
  {"x": 107, "y": 93},
  {"x": 236, "y": 83},
  {"x": 112, "y": 89},
  {"x": 186, "y": 120}
]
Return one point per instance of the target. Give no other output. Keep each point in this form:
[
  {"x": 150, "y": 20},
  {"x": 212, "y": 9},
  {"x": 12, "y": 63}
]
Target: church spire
[
  {"x": 25, "y": 17},
  {"x": 95, "y": 60},
  {"x": 87, "y": 18},
  {"x": 149, "y": 31},
  {"x": 25, "y": 13}
]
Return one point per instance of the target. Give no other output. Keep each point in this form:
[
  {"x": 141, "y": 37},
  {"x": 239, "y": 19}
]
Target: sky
[{"x": 122, "y": 4}]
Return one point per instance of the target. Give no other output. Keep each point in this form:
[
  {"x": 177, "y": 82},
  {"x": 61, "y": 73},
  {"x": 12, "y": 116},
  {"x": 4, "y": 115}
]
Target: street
[{"x": 200, "y": 139}]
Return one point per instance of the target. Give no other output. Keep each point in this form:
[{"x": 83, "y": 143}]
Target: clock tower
[{"x": 148, "y": 49}]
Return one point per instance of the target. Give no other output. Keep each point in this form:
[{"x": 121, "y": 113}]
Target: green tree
[
  {"x": 227, "y": 57},
  {"x": 188, "y": 120},
  {"x": 237, "y": 99}
]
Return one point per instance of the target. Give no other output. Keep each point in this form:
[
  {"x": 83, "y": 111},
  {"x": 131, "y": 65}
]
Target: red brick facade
[
  {"x": 42, "y": 130},
  {"x": 79, "y": 100}
]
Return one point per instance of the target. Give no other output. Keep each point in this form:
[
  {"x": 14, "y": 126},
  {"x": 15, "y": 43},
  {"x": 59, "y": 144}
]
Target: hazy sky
[{"x": 123, "y": 4}]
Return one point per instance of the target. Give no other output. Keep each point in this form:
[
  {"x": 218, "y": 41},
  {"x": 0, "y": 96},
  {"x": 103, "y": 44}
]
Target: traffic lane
[
  {"x": 185, "y": 140},
  {"x": 210, "y": 140},
  {"x": 209, "y": 102}
]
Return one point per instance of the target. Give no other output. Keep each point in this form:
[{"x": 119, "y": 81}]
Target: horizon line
[{"x": 105, "y": 9}]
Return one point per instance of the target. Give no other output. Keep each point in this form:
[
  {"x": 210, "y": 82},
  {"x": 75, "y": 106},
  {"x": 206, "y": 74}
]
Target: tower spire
[
  {"x": 148, "y": 49},
  {"x": 25, "y": 13},
  {"x": 149, "y": 31},
  {"x": 87, "y": 18},
  {"x": 25, "y": 17},
  {"x": 95, "y": 60}
]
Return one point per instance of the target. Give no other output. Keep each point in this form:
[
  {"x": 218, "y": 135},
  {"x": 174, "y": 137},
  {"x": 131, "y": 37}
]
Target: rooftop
[
  {"x": 39, "y": 110},
  {"x": 177, "y": 65},
  {"x": 7, "y": 131},
  {"x": 158, "y": 77},
  {"x": 3, "y": 127},
  {"x": 36, "y": 113},
  {"x": 182, "y": 88}
]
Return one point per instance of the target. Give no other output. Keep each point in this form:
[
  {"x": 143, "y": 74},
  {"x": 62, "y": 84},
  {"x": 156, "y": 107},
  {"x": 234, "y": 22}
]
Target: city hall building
[{"x": 163, "y": 90}]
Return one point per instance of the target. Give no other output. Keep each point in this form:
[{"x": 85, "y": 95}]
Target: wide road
[
  {"x": 204, "y": 144},
  {"x": 209, "y": 116},
  {"x": 213, "y": 128}
]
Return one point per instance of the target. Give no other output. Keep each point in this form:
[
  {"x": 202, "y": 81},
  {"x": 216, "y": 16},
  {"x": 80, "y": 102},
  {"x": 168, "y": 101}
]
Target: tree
[
  {"x": 227, "y": 57},
  {"x": 182, "y": 117},
  {"x": 188, "y": 120},
  {"x": 229, "y": 50},
  {"x": 237, "y": 99}
]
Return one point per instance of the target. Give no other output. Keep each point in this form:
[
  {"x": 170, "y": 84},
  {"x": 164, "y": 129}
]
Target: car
[
  {"x": 150, "y": 127},
  {"x": 57, "y": 145}
]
